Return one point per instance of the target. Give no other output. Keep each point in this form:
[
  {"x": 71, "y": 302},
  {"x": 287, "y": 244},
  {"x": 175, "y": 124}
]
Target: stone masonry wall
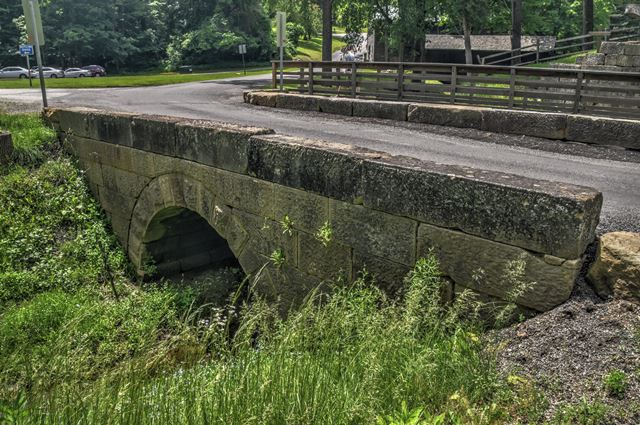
[{"x": 384, "y": 211}]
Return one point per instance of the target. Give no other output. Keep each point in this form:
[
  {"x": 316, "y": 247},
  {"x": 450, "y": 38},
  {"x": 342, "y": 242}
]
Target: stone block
[
  {"x": 380, "y": 109},
  {"x": 155, "y": 134},
  {"x": 446, "y": 115},
  {"x": 242, "y": 192},
  {"x": 616, "y": 271},
  {"x": 307, "y": 211},
  {"x": 632, "y": 49},
  {"x": 604, "y": 131},
  {"x": 335, "y": 105},
  {"x": 287, "y": 287},
  {"x": 120, "y": 226},
  {"x": 387, "y": 275},
  {"x": 124, "y": 182},
  {"x": 329, "y": 262},
  {"x": 70, "y": 120},
  {"x": 266, "y": 236},
  {"x": 612, "y": 48},
  {"x": 374, "y": 232},
  {"x": 115, "y": 203},
  {"x": 268, "y": 99},
  {"x": 297, "y": 102},
  {"x": 550, "y": 218},
  {"x": 216, "y": 144},
  {"x": 6, "y": 148},
  {"x": 488, "y": 267},
  {"x": 111, "y": 127},
  {"x": 324, "y": 168},
  {"x": 537, "y": 124},
  {"x": 594, "y": 59}
]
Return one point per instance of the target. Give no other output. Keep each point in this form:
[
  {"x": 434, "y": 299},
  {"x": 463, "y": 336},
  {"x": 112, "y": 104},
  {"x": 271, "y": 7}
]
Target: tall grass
[
  {"x": 30, "y": 137},
  {"x": 352, "y": 357}
]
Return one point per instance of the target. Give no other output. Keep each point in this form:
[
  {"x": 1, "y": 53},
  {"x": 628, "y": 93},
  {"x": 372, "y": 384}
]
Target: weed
[
  {"x": 583, "y": 413},
  {"x": 325, "y": 234},
  {"x": 277, "y": 258},
  {"x": 287, "y": 225},
  {"x": 616, "y": 383}
]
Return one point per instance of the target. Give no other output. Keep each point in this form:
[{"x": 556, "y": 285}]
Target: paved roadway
[{"x": 614, "y": 172}]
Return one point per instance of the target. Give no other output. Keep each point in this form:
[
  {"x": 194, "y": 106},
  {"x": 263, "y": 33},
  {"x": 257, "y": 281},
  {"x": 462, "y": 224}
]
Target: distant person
[{"x": 350, "y": 56}]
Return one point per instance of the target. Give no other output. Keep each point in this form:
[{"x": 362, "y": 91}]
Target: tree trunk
[
  {"x": 587, "y": 19},
  {"x": 516, "y": 28},
  {"x": 468, "y": 54},
  {"x": 327, "y": 30}
]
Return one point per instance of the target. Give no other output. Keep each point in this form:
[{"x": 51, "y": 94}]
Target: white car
[
  {"x": 48, "y": 72},
  {"x": 14, "y": 72},
  {"x": 76, "y": 73}
]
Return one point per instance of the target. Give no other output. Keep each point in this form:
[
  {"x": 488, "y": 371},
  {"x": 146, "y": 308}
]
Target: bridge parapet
[{"x": 265, "y": 194}]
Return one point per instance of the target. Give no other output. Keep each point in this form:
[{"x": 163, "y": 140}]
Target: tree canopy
[{"x": 146, "y": 34}]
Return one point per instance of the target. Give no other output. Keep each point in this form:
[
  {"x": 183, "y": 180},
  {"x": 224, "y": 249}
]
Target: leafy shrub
[{"x": 52, "y": 234}]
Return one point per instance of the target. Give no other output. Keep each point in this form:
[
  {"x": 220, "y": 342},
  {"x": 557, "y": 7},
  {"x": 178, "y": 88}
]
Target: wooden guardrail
[
  {"x": 557, "y": 90},
  {"x": 540, "y": 52}
]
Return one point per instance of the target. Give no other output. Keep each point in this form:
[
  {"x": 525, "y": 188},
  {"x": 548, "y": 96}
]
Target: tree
[
  {"x": 516, "y": 26},
  {"x": 327, "y": 30},
  {"x": 468, "y": 15},
  {"x": 587, "y": 16}
]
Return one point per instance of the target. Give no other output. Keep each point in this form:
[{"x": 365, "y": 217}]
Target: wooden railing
[
  {"x": 539, "y": 52},
  {"x": 562, "y": 90}
]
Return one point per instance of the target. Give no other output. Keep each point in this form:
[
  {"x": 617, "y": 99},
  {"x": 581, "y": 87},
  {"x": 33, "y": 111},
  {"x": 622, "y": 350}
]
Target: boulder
[
  {"x": 6, "y": 148},
  {"x": 616, "y": 271},
  {"x": 633, "y": 11}
]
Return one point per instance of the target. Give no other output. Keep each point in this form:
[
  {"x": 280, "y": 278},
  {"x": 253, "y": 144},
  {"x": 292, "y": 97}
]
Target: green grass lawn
[
  {"x": 311, "y": 50},
  {"x": 138, "y": 80}
]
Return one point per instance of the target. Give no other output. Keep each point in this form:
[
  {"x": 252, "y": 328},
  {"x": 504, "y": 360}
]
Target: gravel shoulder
[{"x": 567, "y": 352}]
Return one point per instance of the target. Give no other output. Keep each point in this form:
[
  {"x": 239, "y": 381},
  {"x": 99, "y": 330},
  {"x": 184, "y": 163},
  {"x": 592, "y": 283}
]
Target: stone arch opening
[{"x": 180, "y": 241}]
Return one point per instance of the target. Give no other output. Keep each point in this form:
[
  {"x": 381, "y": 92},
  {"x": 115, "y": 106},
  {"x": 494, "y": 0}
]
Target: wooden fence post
[
  {"x": 578, "y": 95},
  {"x": 400, "y": 81},
  {"x": 454, "y": 82},
  {"x": 310, "y": 86},
  {"x": 354, "y": 81},
  {"x": 512, "y": 87}
]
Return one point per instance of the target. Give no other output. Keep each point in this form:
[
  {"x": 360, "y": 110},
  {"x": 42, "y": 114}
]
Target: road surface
[{"x": 615, "y": 172}]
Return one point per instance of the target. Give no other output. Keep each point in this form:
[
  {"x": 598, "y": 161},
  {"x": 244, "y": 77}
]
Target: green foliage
[
  {"x": 277, "y": 258},
  {"x": 325, "y": 234},
  {"x": 616, "y": 383},
  {"x": 583, "y": 413},
  {"x": 287, "y": 225},
  {"x": 51, "y": 232},
  {"x": 31, "y": 139}
]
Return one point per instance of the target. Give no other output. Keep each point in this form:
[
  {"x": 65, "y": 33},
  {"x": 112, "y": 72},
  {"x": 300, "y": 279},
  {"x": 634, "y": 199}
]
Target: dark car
[{"x": 95, "y": 70}]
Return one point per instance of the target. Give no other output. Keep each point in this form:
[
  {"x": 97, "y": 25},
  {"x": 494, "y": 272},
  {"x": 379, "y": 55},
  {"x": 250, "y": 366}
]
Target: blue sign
[{"x": 26, "y": 50}]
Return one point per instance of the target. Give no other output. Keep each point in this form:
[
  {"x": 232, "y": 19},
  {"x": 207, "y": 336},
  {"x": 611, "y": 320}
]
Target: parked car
[
  {"x": 95, "y": 70},
  {"x": 76, "y": 73},
  {"x": 14, "y": 72},
  {"x": 48, "y": 72}
]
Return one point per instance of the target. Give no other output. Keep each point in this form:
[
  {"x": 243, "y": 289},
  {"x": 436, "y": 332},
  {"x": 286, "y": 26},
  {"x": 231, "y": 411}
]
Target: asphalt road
[{"x": 615, "y": 172}]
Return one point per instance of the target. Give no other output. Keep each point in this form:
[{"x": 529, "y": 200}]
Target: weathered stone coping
[
  {"x": 557, "y": 126},
  {"x": 544, "y": 217}
]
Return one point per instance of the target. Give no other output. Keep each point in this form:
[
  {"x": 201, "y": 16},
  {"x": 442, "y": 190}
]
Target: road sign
[
  {"x": 281, "y": 18},
  {"x": 242, "y": 49},
  {"x": 31, "y": 10},
  {"x": 26, "y": 50}
]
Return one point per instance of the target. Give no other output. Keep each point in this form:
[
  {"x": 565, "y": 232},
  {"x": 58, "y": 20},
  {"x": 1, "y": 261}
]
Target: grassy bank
[{"x": 129, "y": 80}]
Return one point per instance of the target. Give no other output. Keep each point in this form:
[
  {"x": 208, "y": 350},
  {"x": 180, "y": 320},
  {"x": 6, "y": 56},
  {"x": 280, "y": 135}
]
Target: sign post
[
  {"x": 26, "y": 50},
  {"x": 281, "y": 18},
  {"x": 242, "y": 49},
  {"x": 31, "y": 10}
]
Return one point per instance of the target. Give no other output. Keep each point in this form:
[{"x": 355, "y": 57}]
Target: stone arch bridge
[{"x": 188, "y": 194}]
